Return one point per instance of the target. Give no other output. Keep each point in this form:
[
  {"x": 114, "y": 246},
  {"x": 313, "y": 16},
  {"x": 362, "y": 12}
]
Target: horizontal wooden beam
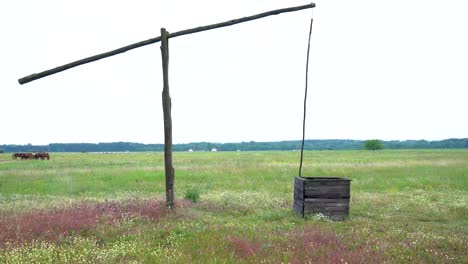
[
  {"x": 67, "y": 66},
  {"x": 58, "y": 69},
  {"x": 240, "y": 20}
]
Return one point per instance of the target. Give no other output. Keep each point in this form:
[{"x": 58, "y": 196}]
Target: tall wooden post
[{"x": 166, "y": 101}]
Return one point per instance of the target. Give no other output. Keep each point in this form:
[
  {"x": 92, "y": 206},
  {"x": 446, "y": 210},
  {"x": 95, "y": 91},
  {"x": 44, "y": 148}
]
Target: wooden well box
[{"x": 326, "y": 195}]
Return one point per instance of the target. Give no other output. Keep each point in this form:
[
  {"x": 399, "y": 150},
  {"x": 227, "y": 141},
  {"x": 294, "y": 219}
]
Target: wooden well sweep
[
  {"x": 326, "y": 195},
  {"x": 164, "y": 39}
]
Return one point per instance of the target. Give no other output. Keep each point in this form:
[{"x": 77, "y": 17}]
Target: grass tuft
[{"x": 193, "y": 194}]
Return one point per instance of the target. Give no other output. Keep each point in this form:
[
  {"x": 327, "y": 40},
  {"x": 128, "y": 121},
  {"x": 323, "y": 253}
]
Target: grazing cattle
[
  {"x": 27, "y": 156},
  {"x": 42, "y": 155},
  {"x": 17, "y": 155}
]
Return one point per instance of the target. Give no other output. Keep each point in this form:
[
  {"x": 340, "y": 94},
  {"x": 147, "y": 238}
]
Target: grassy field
[{"x": 407, "y": 206}]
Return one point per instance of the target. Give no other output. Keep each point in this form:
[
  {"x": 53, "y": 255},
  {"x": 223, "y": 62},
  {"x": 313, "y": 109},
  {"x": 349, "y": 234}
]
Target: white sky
[{"x": 379, "y": 69}]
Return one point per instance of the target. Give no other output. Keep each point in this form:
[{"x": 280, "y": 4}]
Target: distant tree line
[{"x": 329, "y": 144}]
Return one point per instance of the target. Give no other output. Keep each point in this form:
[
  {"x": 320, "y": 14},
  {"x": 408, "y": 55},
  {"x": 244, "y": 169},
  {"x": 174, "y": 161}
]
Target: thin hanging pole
[
  {"x": 305, "y": 97},
  {"x": 166, "y": 101}
]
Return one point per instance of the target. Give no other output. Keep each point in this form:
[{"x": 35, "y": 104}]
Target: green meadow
[{"x": 407, "y": 206}]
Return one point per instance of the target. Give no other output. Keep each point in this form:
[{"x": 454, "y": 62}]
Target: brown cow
[
  {"x": 26, "y": 156},
  {"x": 42, "y": 155},
  {"x": 23, "y": 155}
]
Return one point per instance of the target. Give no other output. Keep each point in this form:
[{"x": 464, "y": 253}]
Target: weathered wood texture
[
  {"x": 166, "y": 101},
  {"x": 329, "y": 196},
  {"x": 299, "y": 196},
  {"x": 58, "y": 69}
]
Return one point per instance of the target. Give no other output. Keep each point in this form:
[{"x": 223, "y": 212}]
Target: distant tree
[
  {"x": 373, "y": 144},
  {"x": 2, "y": 150}
]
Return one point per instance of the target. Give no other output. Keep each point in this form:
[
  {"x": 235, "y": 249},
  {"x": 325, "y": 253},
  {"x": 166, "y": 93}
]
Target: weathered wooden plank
[
  {"x": 298, "y": 207},
  {"x": 327, "y": 189},
  {"x": 318, "y": 184},
  {"x": 341, "y": 205},
  {"x": 326, "y": 206},
  {"x": 325, "y": 183},
  {"x": 298, "y": 196},
  {"x": 326, "y": 194},
  {"x": 299, "y": 181},
  {"x": 299, "y": 192},
  {"x": 331, "y": 210},
  {"x": 299, "y": 203},
  {"x": 331, "y": 188},
  {"x": 298, "y": 210},
  {"x": 331, "y": 205},
  {"x": 324, "y": 200},
  {"x": 311, "y": 193},
  {"x": 298, "y": 188}
]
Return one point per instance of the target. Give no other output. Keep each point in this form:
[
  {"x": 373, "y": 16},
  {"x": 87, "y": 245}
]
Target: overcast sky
[{"x": 390, "y": 70}]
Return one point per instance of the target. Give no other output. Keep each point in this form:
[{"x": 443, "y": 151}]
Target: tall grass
[{"x": 406, "y": 206}]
